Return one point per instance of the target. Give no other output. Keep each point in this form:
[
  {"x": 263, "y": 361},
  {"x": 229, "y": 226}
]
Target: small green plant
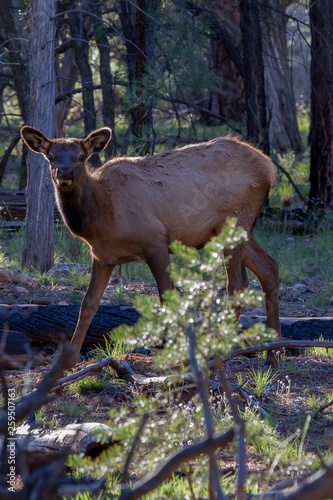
[
  {"x": 73, "y": 410},
  {"x": 261, "y": 379},
  {"x": 86, "y": 385},
  {"x": 113, "y": 347},
  {"x": 79, "y": 280},
  {"x": 321, "y": 351}
]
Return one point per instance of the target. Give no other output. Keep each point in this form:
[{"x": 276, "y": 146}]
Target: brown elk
[{"x": 131, "y": 209}]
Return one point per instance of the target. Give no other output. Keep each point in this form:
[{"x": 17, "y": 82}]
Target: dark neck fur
[{"x": 74, "y": 210}]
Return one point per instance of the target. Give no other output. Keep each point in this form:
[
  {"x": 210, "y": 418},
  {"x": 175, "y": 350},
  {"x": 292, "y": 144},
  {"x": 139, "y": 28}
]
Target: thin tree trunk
[
  {"x": 321, "y": 135},
  {"x": 283, "y": 126},
  {"x": 139, "y": 32},
  {"x": 108, "y": 104},
  {"x": 81, "y": 50},
  {"x": 38, "y": 244},
  {"x": 13, "y": 42},
  {"x": 254, "y": 78}
]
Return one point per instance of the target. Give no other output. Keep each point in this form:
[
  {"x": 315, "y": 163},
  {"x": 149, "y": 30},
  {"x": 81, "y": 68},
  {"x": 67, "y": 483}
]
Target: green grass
[
  {"x": 87, "y": 385},
  {"x": 73, "y": 410},
  {"x": 261, "y": 379}
]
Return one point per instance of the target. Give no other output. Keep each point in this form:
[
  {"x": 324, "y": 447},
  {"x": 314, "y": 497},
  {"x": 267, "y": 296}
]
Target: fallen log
[
  {"x": 41, "y": 446},
  {"x": 298, "y": 328},
  {"x": 56, "y": 323}
]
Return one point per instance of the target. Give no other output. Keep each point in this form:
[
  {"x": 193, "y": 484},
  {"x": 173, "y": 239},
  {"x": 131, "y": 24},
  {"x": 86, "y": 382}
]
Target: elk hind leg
[
  {"x": 237, "y": 279},
  {"x": 267, "y": 271}
]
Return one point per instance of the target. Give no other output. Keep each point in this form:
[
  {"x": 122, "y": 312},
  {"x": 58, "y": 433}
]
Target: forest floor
[{"x": 302, "y": 384}]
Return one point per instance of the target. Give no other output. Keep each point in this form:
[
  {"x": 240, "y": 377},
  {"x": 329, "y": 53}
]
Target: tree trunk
[
  {"x": 321, "y": 134},
  {"x": 254, "y": 78},
  {"x": 81, "y": 50},
  {"x": 283, "y": 126},
  {"x": 139, "y": 32},
  {"x": 108, "y": 104},
  {"x": 38, "y": 244},
  {"x": 15, "y": 44}
]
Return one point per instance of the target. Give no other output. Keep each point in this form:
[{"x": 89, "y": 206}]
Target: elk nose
[{"x": 65, "y": 173}]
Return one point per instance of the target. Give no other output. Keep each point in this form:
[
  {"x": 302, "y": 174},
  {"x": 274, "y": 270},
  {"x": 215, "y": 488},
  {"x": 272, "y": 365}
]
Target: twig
[
  {"x": 226, "y": 386},
  {"x": 150, "y": 483},
  {"x": 251, "y": 400},
  {"x": 252, "y": 349},
  {"x": 322, "y": 408},
  {"x": 286, "y": 173},
  {"x": 202, "y": 390},
  {"x": 289, "y": 482},
  {"x": 318, "y": 486},
  {"x": 134, "y": 444},
  {"x": 38, "y": 397}
]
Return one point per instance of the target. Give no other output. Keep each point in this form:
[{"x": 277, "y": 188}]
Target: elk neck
[{"x": 79, "y": 207}]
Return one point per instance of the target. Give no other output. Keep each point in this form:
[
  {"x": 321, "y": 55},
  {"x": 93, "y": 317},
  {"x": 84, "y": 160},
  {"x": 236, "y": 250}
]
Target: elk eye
[
  {"x": 50, "y": 157},
  {"x": 81, "y": 157}
]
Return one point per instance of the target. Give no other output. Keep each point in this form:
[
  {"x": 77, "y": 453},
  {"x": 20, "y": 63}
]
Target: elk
[{"x": 131, "y": 209}]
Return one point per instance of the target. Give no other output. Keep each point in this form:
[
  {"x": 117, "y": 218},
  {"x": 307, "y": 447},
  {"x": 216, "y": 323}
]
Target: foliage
[{"x": 166, "y": 423}]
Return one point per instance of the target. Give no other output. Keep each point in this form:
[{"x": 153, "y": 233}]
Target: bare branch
[
  {"x": 252, "y": 349},
  {"x": 207, "y": 446},
  {"x": 203, "y": 393},
  {"x": 38, "y": 397},
  {"x": 134, "y": 444}
]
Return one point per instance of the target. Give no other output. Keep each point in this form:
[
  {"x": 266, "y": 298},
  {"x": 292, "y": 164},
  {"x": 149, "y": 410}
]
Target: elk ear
[
  {"x": 97, "y": 140},
  {"x": 35, "y": 140}
]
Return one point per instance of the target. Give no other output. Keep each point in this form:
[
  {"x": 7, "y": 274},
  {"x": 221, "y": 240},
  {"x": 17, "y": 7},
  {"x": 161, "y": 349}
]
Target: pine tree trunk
[
  {"x": 254, "y": 79},
  {"x": 108, "y": 104},
  {"x": 281, "y": 105},
  {"x": 321, "y": 135},
  {"x": 38, "y": 244},
  {"x": 81, "y": 50},
  {"x": 139, "y": 33}
]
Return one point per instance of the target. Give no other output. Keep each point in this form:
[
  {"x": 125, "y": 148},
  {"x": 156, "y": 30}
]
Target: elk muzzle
[{"x": 63, "y": 177}]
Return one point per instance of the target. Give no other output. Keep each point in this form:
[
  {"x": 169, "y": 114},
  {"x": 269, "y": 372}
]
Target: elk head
[{"x": 66, "y": 156}]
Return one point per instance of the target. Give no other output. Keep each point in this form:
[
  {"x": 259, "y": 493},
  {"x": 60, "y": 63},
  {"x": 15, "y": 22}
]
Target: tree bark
[
  {"x": 139, "y": 32},
  {"x": 40, "y": 447},
  {"x": 321, "y": 133},
  {"x": 15, "y": 44},
  {"x": 39, "y": 242},
  {"x": 283, "y": 127},
  {"x": 108, "y": 104},
  {"x": 81, "y": 50},
  {"x": 254, "y": 78},
  {"x": 55, "y": 324}
]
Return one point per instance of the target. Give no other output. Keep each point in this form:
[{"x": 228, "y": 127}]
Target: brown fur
[{"x": 133, "y": 208}]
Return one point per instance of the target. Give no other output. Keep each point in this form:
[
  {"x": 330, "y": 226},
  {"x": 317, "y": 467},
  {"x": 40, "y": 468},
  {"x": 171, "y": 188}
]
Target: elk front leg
[
  {"x": 158, "y": 260},
  {"x": 100, "y": 276}
]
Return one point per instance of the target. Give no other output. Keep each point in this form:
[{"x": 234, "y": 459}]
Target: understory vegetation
[{"x": 282, "y": 412}]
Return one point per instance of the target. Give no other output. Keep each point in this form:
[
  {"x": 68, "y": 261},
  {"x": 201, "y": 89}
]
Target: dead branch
[
  {"x": 6, "y": 155},
  {"x": 318, "y": 487},
  {"x": 202, "y": 388},
  {"x": 290, "y": 179},
  {"x": 152, "y": 482},
  {"x": 133, "y": 446},
  {"x": 276, "y": 346},
  {"x": 39, "y": 396},
  {"x": 251, "y": 401},
  {"x": 226, "y": 386},
  {"x": 291, "y": 481},
  {"x": 322, "y": 408}
]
